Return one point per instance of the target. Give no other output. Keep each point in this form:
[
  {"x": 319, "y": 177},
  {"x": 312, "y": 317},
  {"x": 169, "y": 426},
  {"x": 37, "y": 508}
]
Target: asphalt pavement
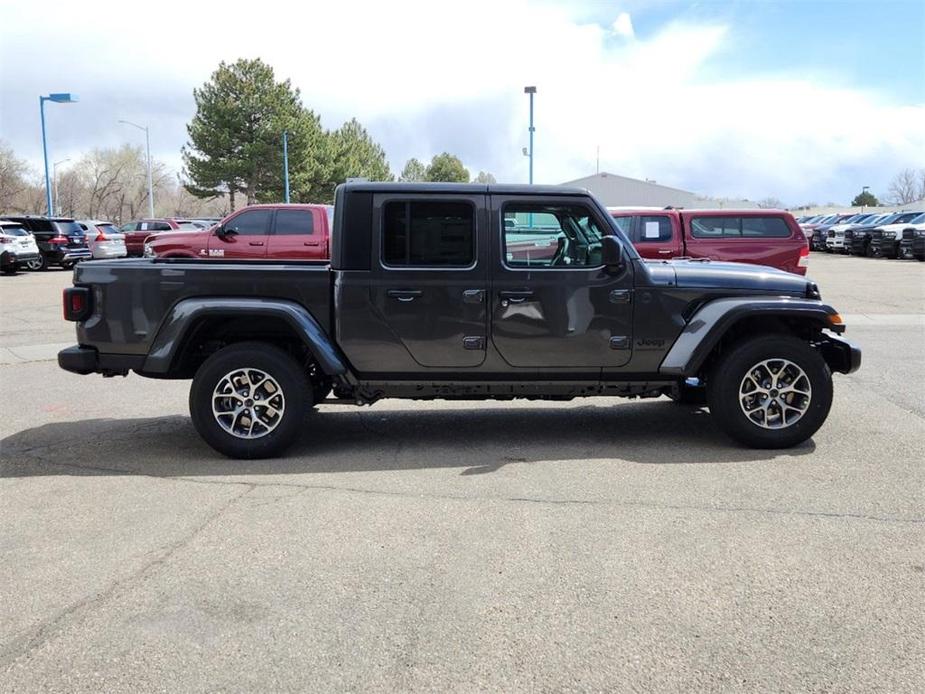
[{"x": 599, "y": 544}]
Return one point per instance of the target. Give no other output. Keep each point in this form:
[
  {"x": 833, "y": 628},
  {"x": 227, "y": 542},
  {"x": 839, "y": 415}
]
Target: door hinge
[
  {"x": 473, "y": 342},
  {"x": 620, "y": 342},
  {"x": 620, "y": 296}
]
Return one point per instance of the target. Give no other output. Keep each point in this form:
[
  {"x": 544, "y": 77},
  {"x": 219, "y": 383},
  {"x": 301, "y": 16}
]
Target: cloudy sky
[{"x": 804, "y": 101}]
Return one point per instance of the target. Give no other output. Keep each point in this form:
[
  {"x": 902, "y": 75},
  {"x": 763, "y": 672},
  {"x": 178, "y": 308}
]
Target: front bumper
[
  {"x": 841, "y": 356},
  {"x": 87, "y": 360},
  {"x": 912, "y": 248}
]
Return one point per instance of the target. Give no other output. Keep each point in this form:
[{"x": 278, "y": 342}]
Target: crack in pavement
[
  {"x": 25, "y": 644},
  {"x": 627, "y": 503}
]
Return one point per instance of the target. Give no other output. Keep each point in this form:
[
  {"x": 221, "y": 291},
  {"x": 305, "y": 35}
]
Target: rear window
[
  {"x": 188, "y": 226},
  {"x": 428, "y": 234},
  {"x": 69, "y": 228},
  {"x": 108, "y": 228},
  {"x": 13, "y": 231},
  {"x": 739, "y": 227}
]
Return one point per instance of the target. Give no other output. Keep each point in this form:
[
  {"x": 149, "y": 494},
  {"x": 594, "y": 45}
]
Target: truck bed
[{"x": 137, "y": 294}]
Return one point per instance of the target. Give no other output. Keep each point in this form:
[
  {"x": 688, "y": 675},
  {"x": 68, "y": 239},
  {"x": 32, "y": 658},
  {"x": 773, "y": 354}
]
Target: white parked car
[
  {"x": 17, "y": 247},
  {"x": 886, "y": 239},
  {"x": 104, "y": 239},
  {"x": 835, "y": 235}
]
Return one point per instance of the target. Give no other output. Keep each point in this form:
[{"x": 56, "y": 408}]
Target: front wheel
[
  {"x": 248, "y": 400},
  {"x": 771, "y": 391}
]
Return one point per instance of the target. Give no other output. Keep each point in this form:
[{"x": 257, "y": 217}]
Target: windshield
[
  {"x": 918, "y": 220},
  {"x": 906, "y": 217}
]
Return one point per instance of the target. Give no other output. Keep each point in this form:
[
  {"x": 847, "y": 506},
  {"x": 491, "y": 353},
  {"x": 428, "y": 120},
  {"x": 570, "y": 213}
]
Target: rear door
[
  {"x": 430, "y": 278},
  {"x": 297, "y": 235},
  {"x": 657, "y": 236},
  {"x": 246, "y": 236},
  {"x": 562, "y": 309}
]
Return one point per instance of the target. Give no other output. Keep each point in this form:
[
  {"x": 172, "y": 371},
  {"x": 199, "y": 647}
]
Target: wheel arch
[
  {"x": 722, "y": 322},
  {"x": 195, "y": 327}
]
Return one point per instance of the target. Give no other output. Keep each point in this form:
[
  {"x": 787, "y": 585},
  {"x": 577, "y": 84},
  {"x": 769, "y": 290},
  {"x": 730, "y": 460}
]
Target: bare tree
[
  {"x": 771, "y": 203},
  {"x": 14, "y": 173},
  {"x": 906, "y": 187}
]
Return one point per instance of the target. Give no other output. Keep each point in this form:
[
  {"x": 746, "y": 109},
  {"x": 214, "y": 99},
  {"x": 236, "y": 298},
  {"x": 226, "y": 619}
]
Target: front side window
[
  {"x": 551, "y": 236},
  {"x": 428, "y": 234},
  {"x": 295, "y": 223},
  {"x": 250, "y": 223}
]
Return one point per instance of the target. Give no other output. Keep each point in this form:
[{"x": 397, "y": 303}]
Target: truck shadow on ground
[{"x": 479, "y": 440}]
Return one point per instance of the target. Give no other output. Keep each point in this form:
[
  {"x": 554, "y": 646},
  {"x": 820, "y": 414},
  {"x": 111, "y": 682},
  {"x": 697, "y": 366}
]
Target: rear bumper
[
  {"x": 101, "y": 252},
  {"x": 86, "y": 360}
]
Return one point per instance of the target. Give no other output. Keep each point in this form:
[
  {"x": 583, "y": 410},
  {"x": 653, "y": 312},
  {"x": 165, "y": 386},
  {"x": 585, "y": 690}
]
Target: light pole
[
  {"x": 58, "y": 98},
  {"x": 148, "y": 151},
  {"x": 531, "y": 91},
  {"x": 54, "y": 176},
  {"x": 864, "y": 189},
  {"x": 286, "y": 163}
]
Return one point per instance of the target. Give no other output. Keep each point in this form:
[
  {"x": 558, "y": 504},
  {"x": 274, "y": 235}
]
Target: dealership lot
[{"x": 585, "y": 545}]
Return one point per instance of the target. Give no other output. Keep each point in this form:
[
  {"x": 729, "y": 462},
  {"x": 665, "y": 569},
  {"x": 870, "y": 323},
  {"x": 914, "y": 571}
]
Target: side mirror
[
  {"x": 223, "y": 232},
  {"x": 611, "y": 251}
]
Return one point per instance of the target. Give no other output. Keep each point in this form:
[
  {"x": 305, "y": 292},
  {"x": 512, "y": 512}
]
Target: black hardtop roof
[
  {"x": 36, "y": 216},
  {"x": 464, "y": 188}
]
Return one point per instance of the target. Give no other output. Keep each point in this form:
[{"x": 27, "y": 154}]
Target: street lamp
[
  {"x": 58, "y": 98},
  {"x": 531, "y": 91},
  {"x": 54, "y": 176},
  {"x": 148, "y": 150},
  {"x": 864, "y": 189}
]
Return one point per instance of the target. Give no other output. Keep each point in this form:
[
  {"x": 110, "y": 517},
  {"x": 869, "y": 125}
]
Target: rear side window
[
  {"x": 428, "y": 234},
  {"x": 739, "y": 227},
  {"x": 654, "y": 228},
  {"x": 294, "y": 223}
]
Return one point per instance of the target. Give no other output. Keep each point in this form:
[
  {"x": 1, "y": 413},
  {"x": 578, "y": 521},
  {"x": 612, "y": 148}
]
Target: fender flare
[
  {"x": 711, "y": 321},
  {"x": 184, "y": 314}
]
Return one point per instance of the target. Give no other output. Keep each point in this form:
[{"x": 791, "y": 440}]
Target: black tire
[
  {"x": 730, "y": 371},
  {"x": 274, "y": 362},
  {"x": 42, "y": 263}
]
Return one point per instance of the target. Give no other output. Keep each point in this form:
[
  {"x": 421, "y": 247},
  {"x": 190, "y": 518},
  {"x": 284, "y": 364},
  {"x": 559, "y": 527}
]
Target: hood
[{"x": 759, "y": 278}]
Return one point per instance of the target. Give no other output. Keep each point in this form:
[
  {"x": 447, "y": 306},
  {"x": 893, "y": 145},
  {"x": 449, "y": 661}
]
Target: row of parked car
[
  {"x": 33, "y": 242},
  {"x": 871, "y": 234},
  {"x": 303, "y": 232}
]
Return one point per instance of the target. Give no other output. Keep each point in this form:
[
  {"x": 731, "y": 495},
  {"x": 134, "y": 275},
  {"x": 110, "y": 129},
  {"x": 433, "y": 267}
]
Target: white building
[{"x": 620, "y": 191}]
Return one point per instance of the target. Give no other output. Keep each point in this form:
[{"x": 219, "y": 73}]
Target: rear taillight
[
  {"x": 100, "y": 237},
  {"x": 6, "y": 239},
  {"x": 58, "y": 240},
  {"x": 804, "y": 256},
  {"x": 76, "y": 303}
]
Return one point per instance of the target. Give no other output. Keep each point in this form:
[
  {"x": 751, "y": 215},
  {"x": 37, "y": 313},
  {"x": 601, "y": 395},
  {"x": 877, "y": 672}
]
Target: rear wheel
[
  {"x": 771, "y": 391},
  {"x": 40, "y": 263},
  {"x": 248, "y": 400}
]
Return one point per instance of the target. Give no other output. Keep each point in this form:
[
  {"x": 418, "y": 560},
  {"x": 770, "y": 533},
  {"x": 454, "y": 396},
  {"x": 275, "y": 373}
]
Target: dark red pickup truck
[
  {"x": 759, "y": 237},
  {"x": 257, "y": 232}
]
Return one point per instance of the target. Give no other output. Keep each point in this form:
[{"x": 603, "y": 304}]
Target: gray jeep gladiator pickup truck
[{"x": 462, "y": 292}]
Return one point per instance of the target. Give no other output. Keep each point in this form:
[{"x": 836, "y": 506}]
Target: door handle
[
  {"x": 255, "y": 243},
  {"x": 515, "y": 297},
  {"x": 664, "y": 252},
  {"x": 404, "y": 295},
  {"x": 312, "y": 243}
]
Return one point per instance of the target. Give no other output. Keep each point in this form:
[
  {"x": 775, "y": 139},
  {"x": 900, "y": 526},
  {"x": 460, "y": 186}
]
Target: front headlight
[
  {"x": 920, "y": 232},
  {"x": 149, "y": 251}
]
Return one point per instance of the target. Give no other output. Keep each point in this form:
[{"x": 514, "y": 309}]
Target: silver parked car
[{"x": 104, "y": 239}]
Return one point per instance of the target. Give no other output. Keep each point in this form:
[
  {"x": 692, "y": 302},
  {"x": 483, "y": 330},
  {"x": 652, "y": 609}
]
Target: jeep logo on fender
[{"x": 650, "y": 343}]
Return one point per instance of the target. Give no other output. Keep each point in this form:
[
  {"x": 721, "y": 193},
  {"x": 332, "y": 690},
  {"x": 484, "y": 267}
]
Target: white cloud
[
  {"x": 623, "y": 25},
  {"x": 427, "y": 77}
]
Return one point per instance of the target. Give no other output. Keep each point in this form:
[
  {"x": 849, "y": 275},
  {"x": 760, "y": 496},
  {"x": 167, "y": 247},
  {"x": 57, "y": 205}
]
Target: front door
[
  {"x": 245, "y": 236},
  {"x": 553, "y": 302},
  {"x": 431, "y": 282}
]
